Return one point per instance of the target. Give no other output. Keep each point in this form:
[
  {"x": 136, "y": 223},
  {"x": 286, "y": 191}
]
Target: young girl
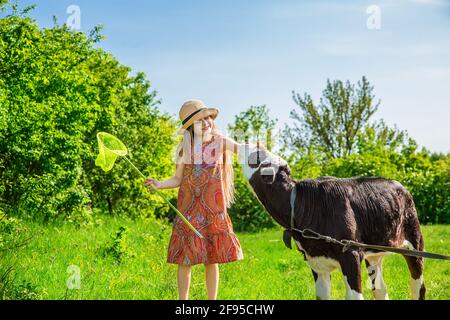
[{"x": 204, "y": 173}]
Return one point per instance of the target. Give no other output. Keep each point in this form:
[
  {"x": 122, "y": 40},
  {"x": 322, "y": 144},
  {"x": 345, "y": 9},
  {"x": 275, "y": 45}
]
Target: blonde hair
[{"x": 184, "y": 152}]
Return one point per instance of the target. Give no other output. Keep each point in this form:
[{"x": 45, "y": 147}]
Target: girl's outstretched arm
[
  {"x": 231, "y": 145},
  {"x": 172, "y": 182},
  {"x": 236, "y": 147}
]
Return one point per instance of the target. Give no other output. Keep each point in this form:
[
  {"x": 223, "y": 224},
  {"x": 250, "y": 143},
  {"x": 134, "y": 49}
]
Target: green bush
[
  {"x": 57, "y": 90},
  {"x": 360, "y": 165},
  {"x": 431, "y": 191},
  {"x": 118, "y": 248}
]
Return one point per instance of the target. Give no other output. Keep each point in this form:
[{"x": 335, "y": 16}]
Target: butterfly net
[{"x": 109, "y": 149}]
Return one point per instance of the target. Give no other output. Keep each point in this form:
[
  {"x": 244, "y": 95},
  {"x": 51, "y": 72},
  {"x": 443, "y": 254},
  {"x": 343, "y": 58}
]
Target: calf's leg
[
  {"x": 351, "y": 268},
  {"x": 323, "y": 285},
  {"x": 417, "y": 284},
  {"x": 379, "y": 289},
  {"x": 414, "y": 240}
]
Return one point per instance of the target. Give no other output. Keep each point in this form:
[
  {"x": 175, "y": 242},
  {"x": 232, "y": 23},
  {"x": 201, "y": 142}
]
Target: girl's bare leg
[
  {"x": 212, "y": 280},
  {"x": 184, "y": 281}
]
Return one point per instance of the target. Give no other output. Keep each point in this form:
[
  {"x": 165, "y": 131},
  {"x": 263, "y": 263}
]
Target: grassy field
[{"x": 269, "y": 270}]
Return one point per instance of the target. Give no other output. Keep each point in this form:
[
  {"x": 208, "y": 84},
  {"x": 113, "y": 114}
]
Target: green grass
[{"x": 269, "y": 270}]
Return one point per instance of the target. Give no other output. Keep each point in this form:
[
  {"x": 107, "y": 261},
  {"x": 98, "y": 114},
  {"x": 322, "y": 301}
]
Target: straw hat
[{"x": 193, "y": 110}]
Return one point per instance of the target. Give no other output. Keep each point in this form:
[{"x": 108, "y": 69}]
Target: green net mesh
[{"x": 109, "y": 149}]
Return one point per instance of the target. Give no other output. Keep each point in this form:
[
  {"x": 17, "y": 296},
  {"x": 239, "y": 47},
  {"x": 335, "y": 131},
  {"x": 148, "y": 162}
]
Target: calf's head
[{"x": 260, "y": 165}]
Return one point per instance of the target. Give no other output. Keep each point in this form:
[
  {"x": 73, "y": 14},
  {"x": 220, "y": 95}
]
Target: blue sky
[{"x": 233, "y": 54}]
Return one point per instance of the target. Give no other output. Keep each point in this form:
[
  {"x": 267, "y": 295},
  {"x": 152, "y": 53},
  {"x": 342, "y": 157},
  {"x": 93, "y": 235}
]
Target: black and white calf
[{"x": 374, "y": 211}]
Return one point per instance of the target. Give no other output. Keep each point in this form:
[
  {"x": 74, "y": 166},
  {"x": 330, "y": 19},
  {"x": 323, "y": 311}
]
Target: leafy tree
[
  {"x": 253, "y": 124},
  {"x": 305, "y": 158},
  {"x": 336, "y": 138},
  {"x": 335, "y": 122},
  {"x": 57, "y": 90},
  {"x": 338, "y": 127}
]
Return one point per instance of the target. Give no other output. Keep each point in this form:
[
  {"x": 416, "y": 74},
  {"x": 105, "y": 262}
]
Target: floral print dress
[{"x": 201, "y": 201}]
